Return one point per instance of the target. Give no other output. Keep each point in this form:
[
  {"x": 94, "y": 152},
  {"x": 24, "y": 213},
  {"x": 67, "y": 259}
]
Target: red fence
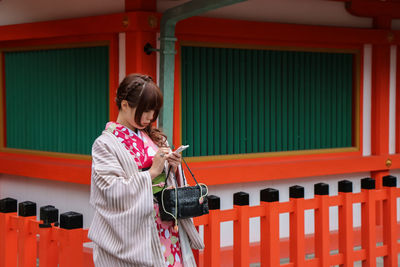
[
  {"x": 64, "y": 244},
  {"x": 23, "y": 239}
]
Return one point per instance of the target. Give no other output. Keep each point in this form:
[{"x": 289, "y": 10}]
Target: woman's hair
[{"x": 143, "y": 94}]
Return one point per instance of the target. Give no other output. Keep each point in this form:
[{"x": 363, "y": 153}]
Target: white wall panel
[
  {"x": 366, "y": 130},
  {"x": 396, "y": 24},
  {"x": 23, "y": 11},
  {"x": 314, "y": 12},
  {"x": 64, "y": 196}
]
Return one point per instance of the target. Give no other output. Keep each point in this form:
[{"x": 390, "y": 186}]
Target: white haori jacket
[{"x": 123, "y": 228}]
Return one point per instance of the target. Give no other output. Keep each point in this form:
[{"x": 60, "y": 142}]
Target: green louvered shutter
[
  {"x": 57, "y": 99},
  {"x": 247, "y": 101}
]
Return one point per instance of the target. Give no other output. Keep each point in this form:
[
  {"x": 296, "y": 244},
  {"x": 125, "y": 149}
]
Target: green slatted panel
[
  {"x": 56, "y": 100},
  {"x": 245, "y": 101}
]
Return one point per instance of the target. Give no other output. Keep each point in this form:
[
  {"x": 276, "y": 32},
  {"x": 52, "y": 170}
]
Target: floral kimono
[{"x": 143, "y": 149}]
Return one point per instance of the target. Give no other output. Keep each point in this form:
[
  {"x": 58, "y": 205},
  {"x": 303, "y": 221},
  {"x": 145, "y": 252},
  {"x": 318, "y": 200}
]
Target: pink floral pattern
[
  {"x": 169, "y": 238},
  {"x": 142, "y": 148}
]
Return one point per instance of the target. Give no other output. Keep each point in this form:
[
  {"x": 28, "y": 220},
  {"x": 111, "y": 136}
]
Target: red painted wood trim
[
  {"x": 114, "y": 77},
  {"x": 211, "y": 173},
  {"x": 380, "y": 99},
  {"x": 398, "y": 101},
  {"x": 140, "y": 5},
  {"x": 137, "y": 61},
  {"x": 224, "y": 29},
  {"x": 113, "y": 23},
  {"x": 60, "y": 169},
  {"x": 374, "y": 8}
]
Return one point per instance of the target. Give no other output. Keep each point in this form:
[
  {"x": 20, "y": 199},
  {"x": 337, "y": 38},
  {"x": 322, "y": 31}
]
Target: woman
[{"x": 130, "y": 160}]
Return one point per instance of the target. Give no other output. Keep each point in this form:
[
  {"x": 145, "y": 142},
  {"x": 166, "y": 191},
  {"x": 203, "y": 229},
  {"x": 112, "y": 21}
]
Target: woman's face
[
  {"x": 129, "y": 116},
  {"x": 145, "y": 120}
]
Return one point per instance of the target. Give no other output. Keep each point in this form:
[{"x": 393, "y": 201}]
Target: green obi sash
[{"x": 158, "y": 183}]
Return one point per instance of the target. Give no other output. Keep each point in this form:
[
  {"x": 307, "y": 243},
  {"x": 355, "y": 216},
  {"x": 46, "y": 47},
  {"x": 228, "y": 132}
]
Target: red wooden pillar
[
  {"x": 137, "y": 61},
  {"x": 322, "y": 245},
  {"x": 297, "y": 236},
  {"x": 346, "y": 231},
  {"x": 71, "y": 237},
  {"x": 241, "y": 243},
  {"x": 380, "y": 110},
  {"x": 212, "y": 232},
  {"x": 390, "y": 232},
  {"x": 48, "y": 246},
  {"x": 368, "y": 225},
  {"x": 8, "y": 234},
  {"x": 270, "y": 250},
  {"x": 27, "y": 230},
  {"x": 380, "y": 99}
]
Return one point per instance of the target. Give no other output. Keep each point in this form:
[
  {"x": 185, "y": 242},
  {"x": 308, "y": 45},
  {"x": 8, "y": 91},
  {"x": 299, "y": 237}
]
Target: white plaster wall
[
  {"x": 367, "y": 100},
  {"x": 396, "y": 24},
  {"x": 313, "y": 12},
  {"x": 23, "y": 11},
  {"x": 64, "y": 196}
]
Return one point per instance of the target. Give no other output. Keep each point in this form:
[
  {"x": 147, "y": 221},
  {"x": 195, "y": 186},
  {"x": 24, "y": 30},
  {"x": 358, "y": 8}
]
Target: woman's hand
[
  {"x": 158, "y": 162},
  {"x": 174, "y": 159}
]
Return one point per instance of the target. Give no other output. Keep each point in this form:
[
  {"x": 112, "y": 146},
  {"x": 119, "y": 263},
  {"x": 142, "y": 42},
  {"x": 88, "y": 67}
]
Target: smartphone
[{"x": 181, "y": 148}]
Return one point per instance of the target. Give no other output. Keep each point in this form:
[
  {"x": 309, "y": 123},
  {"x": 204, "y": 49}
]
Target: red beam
[
  {"x": 236, "y": 31},
  {"x": 374, "y": 8},
  {"x": 122, "y": 22},
  {"x": 61, "y": 169},
  {"x": 140, "y": 5}
]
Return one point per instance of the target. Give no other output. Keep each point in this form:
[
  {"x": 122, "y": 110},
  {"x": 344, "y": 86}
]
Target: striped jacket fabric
[{"x": 123, "y": 228}]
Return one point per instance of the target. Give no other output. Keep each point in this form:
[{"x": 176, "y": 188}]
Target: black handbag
[{"x": 183, "y": 202}]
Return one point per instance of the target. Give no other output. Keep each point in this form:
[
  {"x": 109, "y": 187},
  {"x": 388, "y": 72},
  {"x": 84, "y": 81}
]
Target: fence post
[
  {"x": 368, "y": 222},
  {"x": 297, "y": 236},
  {"x": 346, "y": 235},
  {"x": 322, "y": 245},
  {"x": 390, "y": 221},
  {"x": 71, "y": 237},
  {"x": 241, "y": 246},
  {"x": 212, "y": 231},
  {"x": 48, "y": 248},
  {"x": 27, "y": 243},
  {"x": 8, "y": 236},
  {"x": 270, "y": 250}
]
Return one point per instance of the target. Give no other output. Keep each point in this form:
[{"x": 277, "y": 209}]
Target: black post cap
[
  {"x": 269, "y": 195},
  {"x": 321, "y": 189},
  {"x": 345, "y": 186},
  {"x": 8, "y": 205},
  {"x": 214, "y": 202},
  {"x": 296, "y": 191},
  {"x": 389, "y": 181},
  {"x": 241, "y": 199},
  {"x": 71, "y": 220},
  {"x": 27, "y": 209},
  {"x": 48, "y": 214},
  {"x": 367, "y": 183}
]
